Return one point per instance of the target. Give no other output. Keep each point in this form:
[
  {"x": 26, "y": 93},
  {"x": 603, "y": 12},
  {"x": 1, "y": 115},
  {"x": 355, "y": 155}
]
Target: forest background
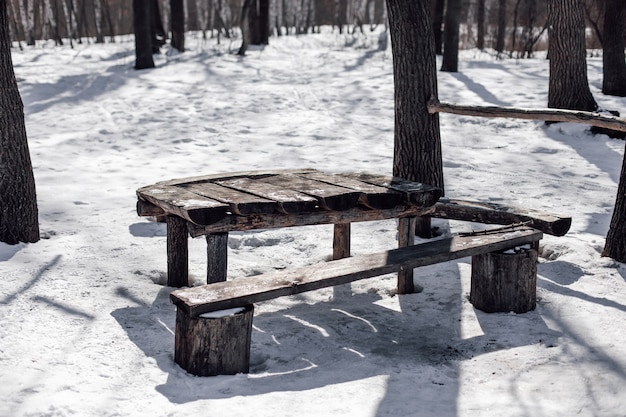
[{"x": 517, "y": 27}]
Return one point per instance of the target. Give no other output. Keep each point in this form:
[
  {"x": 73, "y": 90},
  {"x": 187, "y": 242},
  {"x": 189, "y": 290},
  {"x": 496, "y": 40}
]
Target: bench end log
[
  {"x": 504, "y": 282},
  {"x": 214, "y": 346}
]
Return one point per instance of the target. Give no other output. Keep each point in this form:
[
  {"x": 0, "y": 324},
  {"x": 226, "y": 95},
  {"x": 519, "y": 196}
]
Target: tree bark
[
  {"x": 18, "y": 201},
  {"x": 613, "y": 58},
  {"x": 143, "y": 35},
  {"x": 417, "y": 142},
  {"x": 450, "y": 62},
  {"x": 615, "y": 246},
  {"x": 568, "y": 86}
]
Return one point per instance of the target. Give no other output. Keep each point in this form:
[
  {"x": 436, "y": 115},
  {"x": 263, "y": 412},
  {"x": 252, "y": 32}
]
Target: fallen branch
[{"x": 550, "y": 115}]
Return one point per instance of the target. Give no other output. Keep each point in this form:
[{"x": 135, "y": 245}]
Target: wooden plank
[
  {"x": 240, "y": 203},
  {"x": 249, "y": 290},
  {"x": 330, "y": 197},
  {"x": 223, "y": 176},
  {"x": 494, "y": 213},
  {"x": 271, "y": 221},
  {"x": 289, "y": 201},
  {"x": 173, "y": 200},
  {"x": 373, "y": 196},
  {"x": 413, "y": 192}
]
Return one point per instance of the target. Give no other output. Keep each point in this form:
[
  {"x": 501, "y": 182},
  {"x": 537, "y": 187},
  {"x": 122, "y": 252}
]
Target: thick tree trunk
[
  {"x": 613, "y": 59},
  {"x": 417, "y": 142},
  {"x": 143, "y": 35},
  {"x": 450, "y": 61},
  {"x": 18, "y": 201},
  {"x": 568, "y": 86},
  {"x": 615, "y": 246}
]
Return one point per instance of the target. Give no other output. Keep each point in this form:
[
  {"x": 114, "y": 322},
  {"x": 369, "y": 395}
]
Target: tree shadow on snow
[{"x": 412, "y": 344}]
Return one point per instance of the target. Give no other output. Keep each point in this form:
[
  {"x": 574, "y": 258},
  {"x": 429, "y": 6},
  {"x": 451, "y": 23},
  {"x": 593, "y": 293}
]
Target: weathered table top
[{"x": 245, "y": 197}]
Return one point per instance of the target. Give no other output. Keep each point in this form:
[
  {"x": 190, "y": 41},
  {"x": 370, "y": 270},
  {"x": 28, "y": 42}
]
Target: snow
[{"x": 87, "y": 327}]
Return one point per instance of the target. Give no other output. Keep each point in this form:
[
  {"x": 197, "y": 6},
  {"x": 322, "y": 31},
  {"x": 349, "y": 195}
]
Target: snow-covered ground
[{"x": 86, "y": 325}]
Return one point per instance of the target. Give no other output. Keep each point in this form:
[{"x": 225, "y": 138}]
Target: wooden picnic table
[{"x": 213, "y": 205}]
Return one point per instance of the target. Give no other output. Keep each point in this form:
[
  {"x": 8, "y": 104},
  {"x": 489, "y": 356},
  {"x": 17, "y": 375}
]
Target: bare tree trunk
[
  {"x": 97, "y": 10},
  {"x": 30, "y": 22},
  {"x": 178, "y": 24},
  {"x": 18, "y": 201},
  {"x": 568, "y": 86},
  {"x": 450, "y": 62},
  {"x": 480, "y": 25},
  {"x": 245, "y": 27},
  {"x": 501, "y": 26},
  {"x": 514, "y": 32},
  {"x": 613, "y": 59},
  {"x": 438, "y": 8},
  {"x": 417, "y": 142},
  {"x": 615, "y": 246},
  {"x": 143, "y": 34}
]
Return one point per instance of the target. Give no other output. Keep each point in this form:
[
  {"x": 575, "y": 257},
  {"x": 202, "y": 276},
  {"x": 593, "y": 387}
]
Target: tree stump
[
  {"x": 214, "y": 346},
  {"x": 504, "y": 281}
]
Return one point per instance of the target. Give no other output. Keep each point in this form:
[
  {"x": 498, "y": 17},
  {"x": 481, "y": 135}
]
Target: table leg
[
  {"x": 341, "y": 241},
  {"x": 406, "y": 237},
  {"x": 217, "y": 257},
  {"x": 177, "y": 252}
]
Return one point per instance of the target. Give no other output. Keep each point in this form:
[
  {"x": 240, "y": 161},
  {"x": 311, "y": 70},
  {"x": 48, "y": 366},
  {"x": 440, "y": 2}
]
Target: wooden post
[
  {"x": 217, "y": 257},
  {"x": 341, "y": 241},
  {"x": 177, "y": 252},
  {"x": 341, "y": 249},
  {"x": 406, "y": 237},
  {"x": 504, "y": 282},
  {"x": 214, "y": 346}
]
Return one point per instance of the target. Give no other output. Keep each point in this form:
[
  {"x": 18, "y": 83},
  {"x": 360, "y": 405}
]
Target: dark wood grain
[
  {"x": 329, "y": 196},
  {"x": 240, "y": 203},
  {"x": 182, "y": 203},
  {"x": 372, "y": 196},
  {"x": 289, "y": 201}
]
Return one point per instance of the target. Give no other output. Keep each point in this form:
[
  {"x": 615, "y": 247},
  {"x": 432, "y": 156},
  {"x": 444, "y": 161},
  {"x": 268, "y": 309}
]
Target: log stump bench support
[{"x": 207, "y": 346}]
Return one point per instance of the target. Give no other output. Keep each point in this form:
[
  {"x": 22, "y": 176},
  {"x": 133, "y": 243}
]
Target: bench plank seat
[{"x": 244, "y": 291}]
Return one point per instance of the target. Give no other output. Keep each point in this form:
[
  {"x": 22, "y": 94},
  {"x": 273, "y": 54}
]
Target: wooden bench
[{"x": 219, "y": 345}]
